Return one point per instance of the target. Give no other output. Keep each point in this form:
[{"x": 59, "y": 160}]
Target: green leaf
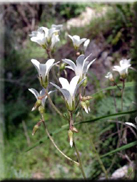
[
  {"x": 121, "y": 148},
  {"x": 81, "y": 122}
]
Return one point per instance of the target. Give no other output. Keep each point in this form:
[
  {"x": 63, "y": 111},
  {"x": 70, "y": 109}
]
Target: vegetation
[{"x": 28, "y": 156}]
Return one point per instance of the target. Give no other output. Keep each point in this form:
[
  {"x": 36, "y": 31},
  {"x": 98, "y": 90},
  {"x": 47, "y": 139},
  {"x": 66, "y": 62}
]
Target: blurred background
[{"x": 110, "y": 27}]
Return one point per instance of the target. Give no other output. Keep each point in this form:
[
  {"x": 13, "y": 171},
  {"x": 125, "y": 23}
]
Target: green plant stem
[
  {"x": 51, "y": 139},
  {"x": 122, "y": 93},
  {"x": 79, "y": 159},
  {"x": 55, "y": 108},
  {"x": 71, "y": 122}
]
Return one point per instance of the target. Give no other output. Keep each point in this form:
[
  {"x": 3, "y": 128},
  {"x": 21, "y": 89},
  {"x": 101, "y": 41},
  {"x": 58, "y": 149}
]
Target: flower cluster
[{"x": 47, "y": 39}]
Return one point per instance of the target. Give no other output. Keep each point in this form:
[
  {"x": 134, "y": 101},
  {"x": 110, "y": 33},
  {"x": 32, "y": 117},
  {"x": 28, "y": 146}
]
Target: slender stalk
[
  {"x": 79, "y": 159},
  {"x": 51, "y": 139},
  {"x": 55, "y": 108},
  {"x": 122, "y": 93},
  {"x": 115, "y": 104},
  {"x": 74, "y": 144}
]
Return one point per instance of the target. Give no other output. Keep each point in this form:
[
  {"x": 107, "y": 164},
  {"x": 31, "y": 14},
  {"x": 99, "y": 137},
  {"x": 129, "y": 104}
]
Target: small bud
[
  {"x": 35, "y": 128},
  {"x": 85, "y": 82},
  {"x": 86, "y": 98},
  {"x": 41, "y": 109},
  {"x": 70, "y": 135},
  {"x": 85, "y": 105},
  {"x": 110, "y": 76},
  {"x": 37, "y": 104},
  {"x": 77, "y": 53},
  {"x": 74, "y": 129},
  {"x": 62, "y": 66}
]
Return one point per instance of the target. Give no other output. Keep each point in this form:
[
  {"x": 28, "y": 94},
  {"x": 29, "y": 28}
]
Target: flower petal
[
  {"x": 33, "y": 91},
  {"x": 73, "y": 85},
  {"x": 71, "y": 63},
  {"x": 64, "y": 83},
  {"x": 65, "y": 93},
  {"x": 49, "y": 65},
  {"x": 90, "y": 64},
  {"x": 36, "y": 64}
]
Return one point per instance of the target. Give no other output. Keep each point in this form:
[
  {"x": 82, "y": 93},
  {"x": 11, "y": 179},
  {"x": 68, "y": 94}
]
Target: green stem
[
  {"x": 51, "y": 139},
  {"x": 79, "y": 159},
  {"x": 71, "y": 122},
  {"x": 55, "y": 108},
  {"x": 122, "y": 93}
]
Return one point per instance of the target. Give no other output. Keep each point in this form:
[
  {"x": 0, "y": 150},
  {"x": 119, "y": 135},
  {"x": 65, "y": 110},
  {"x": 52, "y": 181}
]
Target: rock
[{"x": 122, "y": 172}]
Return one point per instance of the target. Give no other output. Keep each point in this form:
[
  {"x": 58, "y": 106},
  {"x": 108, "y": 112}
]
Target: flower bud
[
  {"x": 41, "y": 109},
  {"x": 86, "y": 98},
  {"x": 85, "y": 82},
  {"x": 62, "y": 66},
  {"x": 74, "y": 129},
  {"x": 85, "y": 105},
  {"x": 35, "y": 128},
  {"x": 70, "y": 135},
  {"x": 37, "y": 104}
]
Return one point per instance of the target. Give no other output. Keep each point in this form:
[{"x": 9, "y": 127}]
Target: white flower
[
  {"x": 41, "y": 97},
  {"x": 109, "y": 76},
  {"x": 43, "y": 70},
  {"x": 76, "y": 40},
  {"x": 86, "y": 43},
  {"x": 69, "y": 90},
  {"x": 81, "y": 67},
  {"x": 45, "y": 37},
  {"x": 123, "y": 68},
  {"x": 57, "y": 27}
]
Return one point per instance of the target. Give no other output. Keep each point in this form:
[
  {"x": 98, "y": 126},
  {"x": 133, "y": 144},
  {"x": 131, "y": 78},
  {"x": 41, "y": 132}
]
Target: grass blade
[{"x": 120, "y": 148}]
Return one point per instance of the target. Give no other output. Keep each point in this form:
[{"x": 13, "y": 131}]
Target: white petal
[
  {"x": 69, "y": 67},
  {"x": 79, "y": 61},
  {"x": 54, "y": 40},
  {"x": 49, "y": 65},
  {"x": 32, "y": 90},
  {"x": 86, "y": 43},
  {"x": 73, "y": 85},
  {"x": 71, "y": 63},
  {"x": 36, "y": 64},
  {"x": 65, "y": 93},
  {"x": 42, "y": 71},
  {"x": 89, "y": 65},
  {"x": 78, "y": 85},
  {"x": 131, "y": 124},
  {"x": 82, "y": 40},
  {"x": 64, "y": 83},
  {"x": 42, "y": 92}
]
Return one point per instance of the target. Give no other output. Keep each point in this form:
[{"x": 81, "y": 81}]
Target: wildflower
[
  {"x": 45, "y": 37},
  {"x": 57, "y": 27},
  {"x": 86, "y": 43},
  {"x": 76, "y": 40},
  {"x": 110, "y": 76},
  {"x": 123, "y": 68},
  {"x": 69, "y": 90},
  {"x": 43, "y": 70},
  {"x": 41, "y": 97},
  {"x": 81, "y": 67}
]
